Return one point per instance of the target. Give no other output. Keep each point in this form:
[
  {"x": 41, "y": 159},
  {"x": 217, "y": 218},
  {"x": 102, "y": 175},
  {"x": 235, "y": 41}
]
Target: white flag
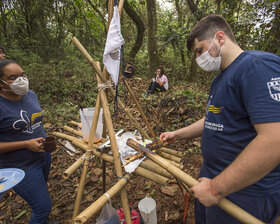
[{"x": 112, "y": 52}]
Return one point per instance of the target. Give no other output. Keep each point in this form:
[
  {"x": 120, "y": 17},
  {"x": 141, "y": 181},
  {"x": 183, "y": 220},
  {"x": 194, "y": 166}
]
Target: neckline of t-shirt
[
  {"x": 15, "y": 101},
  {"x": 236, "y": 60}
]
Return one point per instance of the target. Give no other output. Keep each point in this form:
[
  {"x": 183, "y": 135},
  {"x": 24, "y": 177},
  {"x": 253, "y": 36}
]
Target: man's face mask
[
  {"x": 207, "y": 62},
  {"x": 20, "y": 86}
]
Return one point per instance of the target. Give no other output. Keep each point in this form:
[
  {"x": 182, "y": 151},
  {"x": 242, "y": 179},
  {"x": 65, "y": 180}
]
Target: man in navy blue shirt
[{"x": 241, "y": 130}]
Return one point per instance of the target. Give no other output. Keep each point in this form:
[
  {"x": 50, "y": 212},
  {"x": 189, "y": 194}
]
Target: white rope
[
  {"x": 108, "y": 196},
  {"x": 105, "y": 85}
]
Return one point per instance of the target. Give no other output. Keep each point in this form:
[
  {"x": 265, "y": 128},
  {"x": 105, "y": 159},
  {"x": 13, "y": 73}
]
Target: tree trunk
[
  {"x": 181, "y": 44},
  {"x": 152, "y": 27},
  {"x": 140, "y": 30},
  {"x": 194, "y": 10}
]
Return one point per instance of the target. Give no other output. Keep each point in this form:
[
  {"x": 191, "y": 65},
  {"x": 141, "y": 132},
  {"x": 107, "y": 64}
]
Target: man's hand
[
  {"x": 169, "y": 137},
  {"x": 204, "y": 194},
  {"x": 35, "y": 144}
]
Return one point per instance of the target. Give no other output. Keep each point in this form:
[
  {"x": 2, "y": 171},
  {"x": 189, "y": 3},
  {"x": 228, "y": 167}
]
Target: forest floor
[{"x": 178, "y": 107}]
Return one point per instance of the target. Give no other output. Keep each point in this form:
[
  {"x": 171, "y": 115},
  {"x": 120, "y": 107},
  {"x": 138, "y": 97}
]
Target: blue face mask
[{"x": 207, "y": 62}]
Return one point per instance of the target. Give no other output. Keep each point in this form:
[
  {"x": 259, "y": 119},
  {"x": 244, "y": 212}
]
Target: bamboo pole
[
  {"x": 116, "y": 156},
  {"x": 100, "y": 75},
  {"x": 224, "y": 204},
  {"x": 103, "y": 176},
  {"x": 73, "y": 131},
  {"x": 140, "y": 110},
  {"x": 152, "y": 166},
  {"x": 120, "y": 7},
  {"x": 81, "y": 184},
  {"x": 74, "y": 123},
  {"x": 110, "y": 12},
  {"x": 180, "y": 166},
  {"x": 103, "y": 133},
  {"x": 67, "y": 137},
  {"x": 100, "y": 202},
  {"x": 92, "y": 140},
  {"x": 170, "y": 157},
  {"x": 67, "y": 173},
  {"x": 95, "y": 118},
  {"x": 171, "y": 152}
]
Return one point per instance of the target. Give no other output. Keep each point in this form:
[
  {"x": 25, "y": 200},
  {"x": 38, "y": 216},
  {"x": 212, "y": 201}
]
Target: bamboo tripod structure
[
  {"x": 103, "y": 101},
  {"x": 147, "y": 169}
]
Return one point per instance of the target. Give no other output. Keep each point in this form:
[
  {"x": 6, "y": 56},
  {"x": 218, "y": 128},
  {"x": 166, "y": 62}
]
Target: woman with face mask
[{"x": 21, "y": 139}]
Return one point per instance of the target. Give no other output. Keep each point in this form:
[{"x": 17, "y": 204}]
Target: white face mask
[
  {"x": 207, "y": 62},
  {"x": 20, "y": 86}
]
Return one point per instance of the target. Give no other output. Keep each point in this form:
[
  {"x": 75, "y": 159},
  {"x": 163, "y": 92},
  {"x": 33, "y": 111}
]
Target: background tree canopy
[{"x": 37, "y": 34}]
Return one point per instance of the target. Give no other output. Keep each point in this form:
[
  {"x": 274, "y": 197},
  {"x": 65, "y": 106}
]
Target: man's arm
[
  {"x": 260, "y": 157},
  {"x": 191, "y": 131}
]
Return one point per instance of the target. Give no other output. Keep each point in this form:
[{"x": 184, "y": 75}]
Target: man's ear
[{"x": 220, "y": 35}]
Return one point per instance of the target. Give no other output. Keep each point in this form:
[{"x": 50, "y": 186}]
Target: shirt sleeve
[
  {"x": 260, "y": 90},
  {"x": 163, "y": 78}
]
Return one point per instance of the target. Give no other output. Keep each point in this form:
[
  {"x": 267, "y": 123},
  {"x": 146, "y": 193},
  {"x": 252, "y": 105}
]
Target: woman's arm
[
  {"x": 35, "y": 145},
  {"x": 159, "y": 81}
]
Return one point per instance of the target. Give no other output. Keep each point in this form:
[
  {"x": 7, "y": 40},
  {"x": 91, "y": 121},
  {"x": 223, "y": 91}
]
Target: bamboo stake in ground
[
  {"x": 81, "y": 184},
  {"x": 140, "y": 110},
  {"x": 116, "y": 155},
  {"x": 92, "y": 140},
  {"x": 224, "y": 204}
]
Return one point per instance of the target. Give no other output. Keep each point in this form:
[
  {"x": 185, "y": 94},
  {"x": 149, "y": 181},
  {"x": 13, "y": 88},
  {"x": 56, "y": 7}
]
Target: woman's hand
[
  {"x": 35, "y": 144},
  {"x": 169, "y": 137}
]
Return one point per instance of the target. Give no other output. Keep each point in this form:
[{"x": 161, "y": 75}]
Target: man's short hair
[{"x": 206, "y": 29}]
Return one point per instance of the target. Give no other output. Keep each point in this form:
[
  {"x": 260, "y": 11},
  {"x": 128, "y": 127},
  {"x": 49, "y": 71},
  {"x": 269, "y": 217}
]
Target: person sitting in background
[
  {"x": 129, "y": 70},
  {"x": 2, "y": 53},
  {"x": 160, "y": 83}
]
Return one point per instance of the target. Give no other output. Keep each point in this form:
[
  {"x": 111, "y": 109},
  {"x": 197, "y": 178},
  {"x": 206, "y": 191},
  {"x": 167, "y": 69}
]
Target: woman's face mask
[
  {"x": 20, "y": 86},
  {"x": 207, "y": 62}
]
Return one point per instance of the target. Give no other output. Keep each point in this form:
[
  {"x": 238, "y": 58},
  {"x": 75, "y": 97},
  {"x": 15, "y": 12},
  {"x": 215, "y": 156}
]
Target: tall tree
[
  {"x": 140, "y": 29},
  {"x": 152, "y": 29},
  {"x": 181, "y": 42}
]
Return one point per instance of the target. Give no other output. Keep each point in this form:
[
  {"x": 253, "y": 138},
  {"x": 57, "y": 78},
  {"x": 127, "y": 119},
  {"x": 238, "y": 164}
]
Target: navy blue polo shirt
[
  {"x": 21, "y": 120},
  {"x": 245, "y": 93}
]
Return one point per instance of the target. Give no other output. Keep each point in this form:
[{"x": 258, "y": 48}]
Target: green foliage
[{"x": 62, "y": 87}]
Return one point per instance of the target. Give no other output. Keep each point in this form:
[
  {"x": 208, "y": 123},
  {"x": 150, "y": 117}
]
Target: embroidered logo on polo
[
  {"x": 215, "y": 110},
  {"x": 274, "y": 89},
  {"x": 24, "y": 124}
]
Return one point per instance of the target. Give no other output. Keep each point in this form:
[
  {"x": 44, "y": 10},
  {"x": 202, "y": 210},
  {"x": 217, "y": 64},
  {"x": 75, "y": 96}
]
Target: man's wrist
[{"x": 214, "y": 190}]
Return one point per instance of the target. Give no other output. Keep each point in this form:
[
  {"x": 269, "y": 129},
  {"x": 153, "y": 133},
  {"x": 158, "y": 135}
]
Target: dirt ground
[{"x": 165, "y": 111}]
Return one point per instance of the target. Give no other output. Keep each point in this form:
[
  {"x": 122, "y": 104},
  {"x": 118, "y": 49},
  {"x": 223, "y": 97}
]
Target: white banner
[{"x": 112, "y": 52}]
